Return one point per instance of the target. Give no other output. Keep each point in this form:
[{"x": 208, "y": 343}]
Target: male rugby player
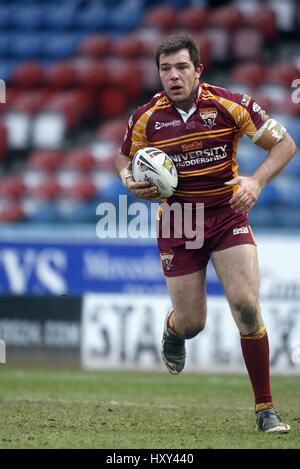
[{"x": 199, "y": 126}]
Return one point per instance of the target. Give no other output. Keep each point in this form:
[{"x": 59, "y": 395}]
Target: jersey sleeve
[
  {"x": 135, "y": 135},
  {"x": 248, "y": 115}
]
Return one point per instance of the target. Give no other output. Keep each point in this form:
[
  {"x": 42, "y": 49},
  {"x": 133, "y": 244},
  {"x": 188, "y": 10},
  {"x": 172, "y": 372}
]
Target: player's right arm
[{"x": 140, "y": 189}]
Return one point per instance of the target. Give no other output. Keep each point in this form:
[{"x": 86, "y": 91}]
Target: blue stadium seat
[
  {"x": 6, "y": 16},
  {"x": 70, "y": 210},
  {"x": 26, "y": 46},
  {"x": 5, "y": 42},
  {"x": 62, "y": 18},
  {"x": 7, "y": 67},
  {"x": 60, "y": 46},
  {"x": 28, "y": 18},
  {"x": 124, "y": 18},
  {"x": 93, "y": 19}
]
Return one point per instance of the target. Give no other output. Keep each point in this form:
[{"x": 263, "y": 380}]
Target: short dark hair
[{"x": 175, "y": 43}]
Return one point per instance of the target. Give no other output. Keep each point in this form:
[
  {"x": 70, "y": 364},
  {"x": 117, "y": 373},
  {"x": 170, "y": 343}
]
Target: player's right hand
[{"x": 144, "y": 190}]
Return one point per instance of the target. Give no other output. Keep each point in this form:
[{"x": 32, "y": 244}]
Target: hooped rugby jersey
[{"x": 204, "y": 148}]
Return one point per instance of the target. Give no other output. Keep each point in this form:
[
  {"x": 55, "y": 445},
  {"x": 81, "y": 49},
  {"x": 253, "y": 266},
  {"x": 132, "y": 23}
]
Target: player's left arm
[{"x": 281, "y": 148}]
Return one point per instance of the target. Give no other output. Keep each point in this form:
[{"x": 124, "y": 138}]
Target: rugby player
[{"x": 199, "y": 125}]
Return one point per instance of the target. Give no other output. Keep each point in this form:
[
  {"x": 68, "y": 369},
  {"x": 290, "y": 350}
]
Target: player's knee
[
  {"x": 191, "y": 332},
  {"x": 247, "y": 312}
]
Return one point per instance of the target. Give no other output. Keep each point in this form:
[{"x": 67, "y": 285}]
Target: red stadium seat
[
  {"x": 205, "y": 46},
  {"x": 31, "y": 102},
  {"x": 227, "y": 17},
  {"x": 283, "y": 73},
  {"x": 247, "y": 44},
  {"x": 67, "y": 105},
  {"x": 192, "y": 18},
  {"x": 80, "y": 159},
  {"x": 129, "y": 46},
  {"x": 12, "y": 186},
  {"x": 112, "y": 102},
  {"x": 28, "y": 74},
  {"x": 46, "y": 160},
  {"x": 161, "y": 17},
  {"x": 113, "y": 130},
  {"x": 47, "y": 189},
  {"x": 10, "y": 212},
  {"x": 81, "y": 189},
  {"x": 219, "y": 39},
  {"x": 250, "y": 73},
  {"x": 127, "y": 76},
  {"x": 90, "y": 73},
  {"x": 264, "y": 19},
  {"x": 95, "y": 46},
  {"x": 61, "y": 75}
]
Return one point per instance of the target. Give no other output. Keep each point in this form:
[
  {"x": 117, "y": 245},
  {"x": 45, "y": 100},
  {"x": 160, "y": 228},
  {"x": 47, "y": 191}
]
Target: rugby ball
[{"x": 155, "y": 166}]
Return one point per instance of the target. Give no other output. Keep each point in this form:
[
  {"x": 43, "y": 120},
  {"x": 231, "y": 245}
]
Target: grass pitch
[{"x": 80, "y": 409}]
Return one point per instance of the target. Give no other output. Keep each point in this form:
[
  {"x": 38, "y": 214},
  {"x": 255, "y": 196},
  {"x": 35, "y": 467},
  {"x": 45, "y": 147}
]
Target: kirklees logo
[
  {"x": 173, "y": 123},
  {"x": 242, "y": 230},
  {"x": 209, "y": 116}
]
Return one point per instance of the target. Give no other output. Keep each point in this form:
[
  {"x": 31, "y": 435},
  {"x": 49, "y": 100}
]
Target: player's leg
[
  {"x": 186, "y": 318},
  {"x": 237, "y": 269}
]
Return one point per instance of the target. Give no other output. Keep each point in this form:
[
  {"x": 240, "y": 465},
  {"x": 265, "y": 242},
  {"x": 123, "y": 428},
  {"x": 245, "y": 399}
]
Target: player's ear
[{"x": 199, "y": 71}]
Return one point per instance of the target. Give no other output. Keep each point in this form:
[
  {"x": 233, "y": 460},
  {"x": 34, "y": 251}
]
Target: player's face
[{"x": 179, "y": 77}]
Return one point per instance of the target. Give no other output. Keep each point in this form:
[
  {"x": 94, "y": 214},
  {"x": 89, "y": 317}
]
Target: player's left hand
[{"x": 247, "y": 194}]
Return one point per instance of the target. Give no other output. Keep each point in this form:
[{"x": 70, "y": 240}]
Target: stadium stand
[{"x": 74, "y": 73}]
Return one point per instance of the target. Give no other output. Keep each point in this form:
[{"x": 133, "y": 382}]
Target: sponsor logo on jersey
[
  {"x": 166, "y": 258},
  {"x": 173, "y": 123},
  {"x": 242, "y": 230},
  {"x": 191, "y": 146},
  {"x": 209, "y": 115},
  {"x": 256, "y": 107},
  {"x": 245, "y": 100}
]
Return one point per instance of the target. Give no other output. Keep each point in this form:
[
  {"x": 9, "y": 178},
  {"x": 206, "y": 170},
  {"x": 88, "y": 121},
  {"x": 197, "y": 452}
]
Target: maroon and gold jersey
[{"x": 203, "y": 146}]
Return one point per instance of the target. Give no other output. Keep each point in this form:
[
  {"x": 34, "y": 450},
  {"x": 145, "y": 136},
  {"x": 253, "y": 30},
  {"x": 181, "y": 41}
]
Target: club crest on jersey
[
  {"x": 166, "y": 258},
  {"x": 209, "y": 116}
]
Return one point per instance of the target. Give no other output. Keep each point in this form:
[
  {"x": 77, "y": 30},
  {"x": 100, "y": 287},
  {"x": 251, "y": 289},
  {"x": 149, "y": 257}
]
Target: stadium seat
[
  {"x": 104, "y": 153},
  {"x": 10, "y": 211},
  {"x": 112, "y": 102},
  {"x": 126, "y": 76},
  {"x": 95, "y": 46},
  {"x": 129, "y": 46},
  {"x": 37, "y": 210},
  {"x": 31, "y": 102},
  {"x": 27, "y": 75},
  {"x": 28, "y": 18},
  {"x": 60, "y": 19},
  {"x": 250, "y": 73},
  {"x": 45, "y": 160},
  {"x": 49, "y": 129},
  {"x": 160, "y": 17},
  {"x": 247, "y": 44},
  {"x": 82, "y": 189},
  {"x": 60, "y": 75},
  {"x": 220, "y": 41},
  {"x": 264, "y": 19},
  {"x": 47, "y": 189},
  {"x": 228, "y": 17},
  {"x": 92, "y": 18},
  {"x": 12, "y": 186},
  {"x": 80, "y": 159},
  {"x": 112, "y": 130},
  {"x": 192, "y": 18},
  {"x": 19, "y": 126},
  {"x": 283, "y": 73},
  {"x": 91, "y": 73},
  {"x": 60, "y": 46},
  {"x": 66, "y": 104},
  {"x": 26, "y": 46},
  {"x": 70, "y": 210}
]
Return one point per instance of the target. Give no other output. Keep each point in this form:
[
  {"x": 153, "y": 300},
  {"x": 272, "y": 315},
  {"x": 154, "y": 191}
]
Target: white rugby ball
[{"x": 155, "y": 166}]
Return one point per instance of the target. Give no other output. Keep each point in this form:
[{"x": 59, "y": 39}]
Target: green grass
[{"x": 80, "y": 409}]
